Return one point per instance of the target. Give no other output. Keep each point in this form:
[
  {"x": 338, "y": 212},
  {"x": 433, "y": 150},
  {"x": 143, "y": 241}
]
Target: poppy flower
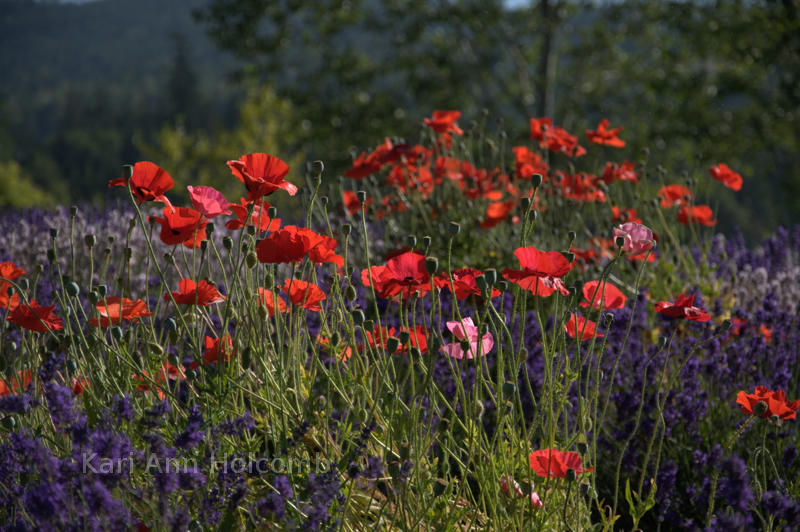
[
  {"x": 292, "y": 243},
  {"x": 182, "y": 225},
  {"x": 304, "y": 294},
  {"x": 674, "y": 195},
  {"x": 259, "y": 218},
  {"x": 79, "y": 385},
  {"x": 20, "y": 382},
  {"x": 637, "y": 238},
  {"x": 262, "y": 174},
  {"x": 726, "y": 176},
  {"x": 113, "y": 310},
  {"x": 496, "y": 212},
  {"x": 697, "y": 214},
  {"x": 167, "y": 372},
  {"x": 148, "y": 182},
  {"x": 605, "y": 136},
  {"x": 417, "y": 337},
  {"x": 404, "y": 275},
  {"x": 528, "y": 163},
  {"x": 268, "y": 298},
  {"x": 345, "y": 352},
  {"x": 464, "y": 283},
  {"x": 35, "y": 317},
  {"x": 541, "y": 271},
  {"x": 766, "y": 333},
  {"x": 465, "y": 331},
  {"x": 191, "y": 293},
  {"x": 608, "y": 298},
  {"x": 351, "y": 203},
  {"x": 580, "y": 187},
  {"x": 777, "y": 404},
  {"x": 369, "y": 163},
  {"x": 444, "y": 122},
  {"x": 552, "y": 463},
  {"x": 555, "y": 138},
  {"x": 9, "y": 271},
  {"x": 216, "y": 348},
  {"x": 208, "y": 200},
  {"x": 683, "y": 308},
  {"x": 624, "y": 215},
  {"x": 614, "y": 172},
  {"x": 578, "y": 325}
]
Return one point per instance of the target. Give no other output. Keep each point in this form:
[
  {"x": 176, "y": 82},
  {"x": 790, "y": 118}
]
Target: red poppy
[
  {"x": 351, "y": 204},
  {"x": 555, "y": 138},
  {"x": 259, "y": 218},
  {"x": 417, "y": 337},
  {"x": 602, "y": 135},
  {"x": 726, "y": 176},
  {"x": 766, "y": 333},
  {"x": 113, "y": 310},
  {"x": 580, "y": 187},
  {"x": 216, "y": 348},
  {"x": 777, "y": 404},
  {"x": 148, "y": 182},
  {"x": 20, "y": 382},
  {"x": 345, "y": 351},
  {"x": 697, "y": 214},
  {"x": 614, "y": 172},
  {"x": 304, "y": 294},
  {"x": 208, "y": 201},
  {"x": 444, "y": 122},
  {"x": 578, "y": 325},
  {"x": 535, "y": 266},
  {"x": 182, "y": 225},
  {"x": 683, "y": 308},
  {"x": 608, "y": 298},
  {"x": 261, "y": 174},
  {"x": 268, "y": 298},
  {"x": 623, "y": 215},
  {"x": 496, "y": 212},
  {"x": 403, "y": 275},
  {"x": 167, "y": 372},
  {"x": 674, "y": 195},
  {"x": 463, "y": 282},
  {"x": 35, "y": 317},
  {"x": 528, "y": 163},
  {"x": 367, "y": 164},
  {"x": 552, "y": 463},
  {"x": 79, "y": 386},
  {"x": 191, "y": 293},
  {"x": 292, "y": 243},
  {"x": 10, "y": 271}
]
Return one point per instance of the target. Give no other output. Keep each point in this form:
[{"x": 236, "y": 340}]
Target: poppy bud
[
  {"x": 454, "y": 228},
  {"x": 571, "y": 475},
  {"x": 609, "y": 317},
  {"x": 525, "y": 203},
  {"x": 403, "y": 336},
  {"x": 350, "y": 293},
  {"x": 272, "y": 212},
  {"x": 93, "y": 297},
  {"x": 536, "y": 180},
  {"x": 51, "y": 255},
  {"x": 568, "y": 255},
  {"x": 204, "y": 245},
  {"x": 439, "y": 487},
  {"x": 392, "y": 343},
  {"x": 412, "y": 241},
  {"x": 523, "y": 356},
  {"x": 619, "y": 241},
  {"x": 335, "y": 338},
  {"x": 491, "y": 276},
  {"x": 323, "y": 200},
  {"x": 480, "y": 282},
  {"x": 464, "y": 344},
  {"x": 210, "y": 228},
  {"x": 263, "y": 313},
  {"x": 369, "y": 324},
  {"x": 587, "y": 490},
  {"x": 72, "y": 366},
  {"x": 776, "y": 419},
  {"x": 317, "y": 167},
  {"x": 227, "y": 243},
  {"x": 572, "y": 235},
  {"x": 726, "y": 324},
  {"x": 573, "y": 290},
  {"x": 251, "y": 260},
  {"x": 346, "y": 228},
  {"x": 362, "y": 196},
  {"x": 582, "y": 447},
  {"x": 509, "y": 388},
  {"x": 415, "y": 352},
  {"x": 534, "y": 215},
  {"x": 117, "y": 333},
  {"x": 481, "y": 410},
  {"x": 170, "y": 324},
  {"x": 655, "y": 202},
  {"x": 155, "y": 348},
  {"x": 68, "y": 311},
  {"x": 431, "y": 265},
  {"x": 662, "y": 341},
  {"x": 358, "y": 317},
  {"x": 9, "y": 423},
  {"x": 53, "y": 232},
  {"x": 426, "y": 241},
  {"x": 102, "y": 290},
  {"x": 73, "y": 289},
  {"x": 759, "y": 408},
  {"x": 10, "y": 290},
  {"x": 502, "y": 285}
]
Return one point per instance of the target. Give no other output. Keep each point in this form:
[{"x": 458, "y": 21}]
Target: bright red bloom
[
  {"x": 79, "y": 385},
  {"x": 580, "y": 187},
  {"x": 148, "y": 182},
  {"x": 404, "y": 274},
  {"x": 303, "y": 294},
  {"x": 292, "y": 243},
  {"x": 552, "y": 463},
  {"x": 208, "y": 201},
  {"x": 602, "y": 135},
  {"x": 555, "y": 138},
  {"x": 541, "y": 271},
  {"x": 697, "y": 214},
  {"x": 619, "y": 172},
  {"x": 609, "y": 298},
  {"x": 367, "y": 164},
  {"x": 528, "y": 163},
  {"x": 268, "y": 298},
  {"x": 259, "y": 218},
  {"x": 674, "y": 195},
  {"x": 167, "y": 372},
  {"x": 345, "y": 351},
  {"x": 444, "y": 122},
  {"x": 114, "y": 310},
  {"x": 35, "y": 317},
  {"x": 418, "y": 337},
  {"x": 578, "y": 325},
  {"x": 726, "y": 176},
  {"x": 261, "y": 174},
  {"x": 496, "y": 212},
  {"x": 216, "y": 348},
  {"x": 20, "y": 382},
  {"x": 777, "y": 404},
  {"x": 191, "y": 293},
  {"x": 623, "y": 215},
  {"x": 10, "y": 271},
  {"x": 463, "y": 282},
  {"x": 683, "y": 307},
  {"x": 182, "y": 225}
]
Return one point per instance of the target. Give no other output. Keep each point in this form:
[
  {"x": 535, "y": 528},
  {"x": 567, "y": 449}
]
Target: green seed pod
[
  {"x": 760, "y": 408},
  {"x": 491, "y": 276},
  {"x": 272, "y": 212},
  {"x": 263, "y": 313},
  {"x": 251, "y": 230},
  {"x": 72, "y": 367},
  {"x": 51, "y": 255},
  {"x": 583, "y": 448},
  {"x": 525, "y": 203},
  {"x": 155, "y": 348},
  {"x": 358, "y": 317},
  {"x": 404, "y": 337},
  {"x": 350, "y": 293},
  {"x": 346, "y": 229},
  {"x": 412, "y": 241},
  {"x": 426, "y": 241},
  {"x": 210, "y": 228},
  {"x": 90, "y": 240},
  {"x": 9, "y": 423},
  {"x": 369, "y": 325},
  {"x": 536, "y": 180},
  {"x": 571, "y": 474},
  {"x": 53, "y": 233},
  {"x": 203, "y": 245},
  {"x": 619, "y": 241},
  {"x": 246, "y": 356},
  {"x": 415, "y": 352},
  {"x": 93, "y": 297},
  {"x": 392, "y": 343},
  {"x": 227, "y": 243},
  {"x": 454, "y": 228},
  {"x": 509, "y": 388},
  {"x": 102, "y": 290},
  {"x": 431, "y": 265},
  {"x": 480, "y": 282},
  {"x": 323, "y": 200},
  {"x": 362, "y": 196},
  {"x": 251, "y": 260},
  {"x": 117, "y": 333},
  {"x": 317, "y": 167}
]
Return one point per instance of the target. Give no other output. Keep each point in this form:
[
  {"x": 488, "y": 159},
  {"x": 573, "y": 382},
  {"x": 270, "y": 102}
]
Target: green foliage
[{"x": 18, "y": 190}]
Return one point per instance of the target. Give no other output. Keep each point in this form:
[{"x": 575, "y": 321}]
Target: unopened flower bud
[
  {"x": 117, "y": 333},
  {"x": 583, "y": 447},
  {"x": 502, "y": 285},
  {"x": 73, "y": 289},
  {"x": 454, "y": 228},
  {"x": 426, "y": 241},
  {"x": 572, "y": 235},
  {"x": 227, "y": 243},
  {"x": 571, "y": 475},
  {"x": 609, "y": 317},
  {"x": 358, "y": 317},
  {"x": 415, "y": 352},
  {"x": 346, "y": 229},
  {"x": 350, "y": 293},
  {"x": 480, "y": 282},
  {"x": 102, "y": 290},
  {"x": 369, "y": 324},
  {"x": 619, "y": 241},
  {"x": 24, "y": 284},
  {"x": 726, "y": 324},
  {"x": 431, "y": 265},
  {"x": 362, "y": 196},
  {"x": 272, "y": 212},
  {"x": 392, "y": 343},
  {"x": 412, "y": 241},
  {"x": 525, "y": 203},
  {"x": 536, "y": 180},
  {"x": 251, "y": 260},
  {"x": 263, "y": 313},
  {"x": 51, "y": 255},
  {"x": 317, "y": 167},
  {"x": 404, "y": 337},
  {"x": 323, "y": 200}
]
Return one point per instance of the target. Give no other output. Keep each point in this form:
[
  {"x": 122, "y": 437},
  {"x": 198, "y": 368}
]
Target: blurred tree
[
  {"x": 18, "y": 189},
  {"x": 182, "y": 91}
]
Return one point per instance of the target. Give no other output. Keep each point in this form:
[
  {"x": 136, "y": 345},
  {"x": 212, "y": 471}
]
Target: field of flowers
[{"x": 458, "y": 334}]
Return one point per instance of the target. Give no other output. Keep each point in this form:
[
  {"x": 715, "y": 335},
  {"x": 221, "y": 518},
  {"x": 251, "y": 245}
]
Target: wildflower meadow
[{"x": 457, "y": 333}]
